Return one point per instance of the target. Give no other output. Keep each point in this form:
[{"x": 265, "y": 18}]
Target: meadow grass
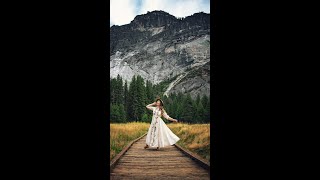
[
  {"x": 194, "y": 137},
  {"x": 121, "y": 134}
]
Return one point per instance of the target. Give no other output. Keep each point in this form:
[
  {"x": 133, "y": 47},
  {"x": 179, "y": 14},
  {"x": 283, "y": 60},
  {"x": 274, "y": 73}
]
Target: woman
[{"x": 159, "y": 135}]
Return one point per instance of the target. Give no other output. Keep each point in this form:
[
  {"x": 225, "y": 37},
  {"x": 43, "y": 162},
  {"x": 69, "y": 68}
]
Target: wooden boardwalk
[{"x": 167, "y": 163}]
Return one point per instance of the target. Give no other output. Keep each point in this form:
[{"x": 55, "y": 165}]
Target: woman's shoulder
[{"x": 164, "y": 111}]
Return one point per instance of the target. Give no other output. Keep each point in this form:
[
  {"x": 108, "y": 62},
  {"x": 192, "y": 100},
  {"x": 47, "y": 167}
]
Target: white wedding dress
[{"x": 159, "y": 135}]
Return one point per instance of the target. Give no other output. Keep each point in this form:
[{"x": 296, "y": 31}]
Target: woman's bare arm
[
  {"x": 149, "y": 106},
  {"x": 165, "y": 115}
]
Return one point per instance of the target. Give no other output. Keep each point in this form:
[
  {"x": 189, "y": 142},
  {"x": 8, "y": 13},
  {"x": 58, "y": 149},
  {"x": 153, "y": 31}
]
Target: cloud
[{"x": 124, "y": 11}]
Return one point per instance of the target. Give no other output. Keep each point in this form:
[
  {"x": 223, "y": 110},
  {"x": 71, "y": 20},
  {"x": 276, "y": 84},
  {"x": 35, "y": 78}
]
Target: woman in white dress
[{"x": 159, "y": 135}]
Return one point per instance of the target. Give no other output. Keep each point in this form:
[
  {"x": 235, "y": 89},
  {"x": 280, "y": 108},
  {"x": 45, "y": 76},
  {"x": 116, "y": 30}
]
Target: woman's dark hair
[
  {"x": 158, "y": 99},
  {"x": 161, "y": 106}
]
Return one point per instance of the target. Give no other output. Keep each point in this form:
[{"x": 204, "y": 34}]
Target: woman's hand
[
  {"x": 149, "y": 106},
  {"x": 174, "y": 120}
]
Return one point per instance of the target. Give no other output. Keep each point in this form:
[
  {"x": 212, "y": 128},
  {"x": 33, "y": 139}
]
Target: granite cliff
[{"x": 159, "y": 46}]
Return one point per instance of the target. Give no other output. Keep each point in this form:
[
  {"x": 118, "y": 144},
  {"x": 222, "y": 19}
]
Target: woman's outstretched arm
[
  {"x": 165, "y": 115},
  {"x": 149, "y": 106}
]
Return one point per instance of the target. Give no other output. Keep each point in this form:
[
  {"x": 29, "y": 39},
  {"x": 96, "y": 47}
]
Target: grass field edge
[{"x": 124, "y": 150}]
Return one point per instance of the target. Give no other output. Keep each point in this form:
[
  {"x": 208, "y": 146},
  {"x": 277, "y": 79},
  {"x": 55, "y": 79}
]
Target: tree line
[{"x": 128, "y": 102}]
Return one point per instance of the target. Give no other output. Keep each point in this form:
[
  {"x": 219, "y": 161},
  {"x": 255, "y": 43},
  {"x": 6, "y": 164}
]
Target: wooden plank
[
  {"x": 156, "y": 166},
  {"x": 166, "y": 175},
  {"x": 185, "y": 170},
  {"x": 157, "y": 177},
  {"x": 154, "y": 155},
  {"x": 178, "y": 159},
  {"x": 195, "y": 157},
  {"x": 167, "y": 163},
  {"x": 116, "y": 159}
]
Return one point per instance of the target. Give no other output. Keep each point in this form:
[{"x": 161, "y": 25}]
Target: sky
[{"x": 123, "y": 11}]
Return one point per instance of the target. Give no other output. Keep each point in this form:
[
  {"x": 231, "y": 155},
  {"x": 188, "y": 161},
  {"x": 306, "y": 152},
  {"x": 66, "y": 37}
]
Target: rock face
[{"x": 159, "y": 46}]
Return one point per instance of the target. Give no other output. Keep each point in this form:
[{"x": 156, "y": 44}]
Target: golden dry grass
[
  {"x": 194, "y": 137},
  {"x": 122, "y": 134}
]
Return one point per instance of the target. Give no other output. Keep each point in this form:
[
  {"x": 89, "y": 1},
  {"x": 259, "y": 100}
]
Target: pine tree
[
  {"x": 208, "y": 110},
  {"x": 141, "y": 96},
  {"x": 173, "y": 96},
  {"x": 204, "y": 100},
  {"x": 112, "y": 90},
  {"x": 145, "y": 118},
  {"x": 179, "y": 112},
  {"x": 180, "y": 97},
  {"x": 131, "y": 99},
  {"x": 180, "y": 106},
  {"x": 119, "y": 90},
  {"x": 116, "y": 90},
  {"x": 188, "y": 111},
  {"x": 114, "y": 114},
  {"x": 206, "y": 105},
  {"x": 125, "y": 96},
  {"x": 149, "y": 92},
  {"x": 122, "y": 116},
  {"x": 173, "y": 109},
  {"x": 201, "y": 113},
  {"x": 196, "y": 116},
  {"x": 149, "y": 96},
  {"x": 198, "y": 99}
]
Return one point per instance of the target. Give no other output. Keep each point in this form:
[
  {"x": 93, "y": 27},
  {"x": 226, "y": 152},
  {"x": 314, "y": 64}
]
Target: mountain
[{"x": 159, "y": 46}]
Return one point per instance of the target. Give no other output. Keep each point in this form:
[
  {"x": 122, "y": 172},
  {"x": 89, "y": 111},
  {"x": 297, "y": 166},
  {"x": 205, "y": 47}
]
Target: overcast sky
[{"x": 124, "y": 11}]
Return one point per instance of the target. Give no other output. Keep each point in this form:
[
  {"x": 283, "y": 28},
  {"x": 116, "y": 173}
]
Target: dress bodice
[{"x": 157, "y": 112}]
